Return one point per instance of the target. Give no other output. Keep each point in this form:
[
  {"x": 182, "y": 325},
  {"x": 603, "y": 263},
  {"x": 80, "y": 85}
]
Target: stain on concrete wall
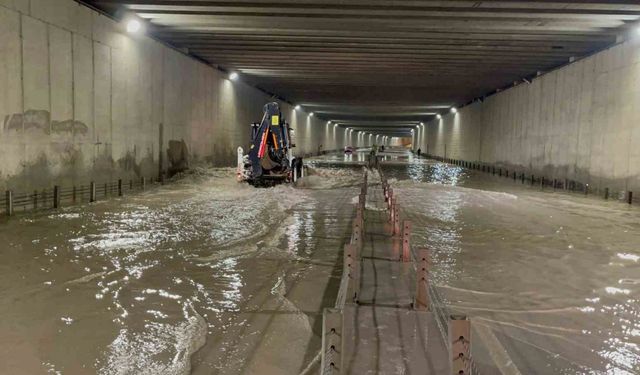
[
  {"x": 178, "y": 157},
  {"x": 40, "y": 120}
]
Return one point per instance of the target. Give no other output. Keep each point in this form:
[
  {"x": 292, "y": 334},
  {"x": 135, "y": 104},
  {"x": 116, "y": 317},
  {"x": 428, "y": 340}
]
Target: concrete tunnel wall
[
  {"x": 82, "y": 100},
  {"x": 580, "y": 122}
]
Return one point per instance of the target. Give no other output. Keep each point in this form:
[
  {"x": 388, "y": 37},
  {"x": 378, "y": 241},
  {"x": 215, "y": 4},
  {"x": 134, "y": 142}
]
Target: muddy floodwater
[{"x": 206, "y": 276}]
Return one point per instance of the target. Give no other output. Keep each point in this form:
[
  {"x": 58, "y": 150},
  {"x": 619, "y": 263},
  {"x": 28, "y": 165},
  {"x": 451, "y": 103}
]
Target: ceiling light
[
  {"x": 454, "y": 110},
  {"x": 133, "y": 26},
  {"x": 233, "y": 76}
]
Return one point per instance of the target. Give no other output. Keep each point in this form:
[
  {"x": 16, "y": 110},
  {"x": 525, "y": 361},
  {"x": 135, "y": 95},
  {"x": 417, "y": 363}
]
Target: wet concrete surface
[
  {"x": 206, "y": 276},
  {"x": 383, "y": 333}
]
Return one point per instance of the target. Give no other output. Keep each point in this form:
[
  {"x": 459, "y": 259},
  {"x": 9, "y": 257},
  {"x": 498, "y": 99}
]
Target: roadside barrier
[
  {"x": 58, "y": 196},
  {"x": 455, "y": 329},
  {"x": 542, "y": 181}
]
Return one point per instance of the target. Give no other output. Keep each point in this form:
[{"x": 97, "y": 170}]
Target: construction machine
[{"x": 270, "y": 158}]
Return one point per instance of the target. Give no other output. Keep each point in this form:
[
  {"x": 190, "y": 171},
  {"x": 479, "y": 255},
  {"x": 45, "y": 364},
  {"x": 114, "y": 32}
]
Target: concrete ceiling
[{"x": 383, "y": 63}]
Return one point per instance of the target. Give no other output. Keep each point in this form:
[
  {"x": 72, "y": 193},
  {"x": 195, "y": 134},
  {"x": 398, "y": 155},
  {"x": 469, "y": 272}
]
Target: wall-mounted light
[
  {"x": 233, "y": 76},
  {"x": 296, "y": 108},
  {"x": 439, "y": 116},
  {"x": 311, "y": 114},
  {"x": 454, "y": 110},
  {"x": 134, "y": 26}
]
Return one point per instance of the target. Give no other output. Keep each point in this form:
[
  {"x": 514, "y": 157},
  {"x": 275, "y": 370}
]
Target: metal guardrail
[
  {"x": 455, "y": 329},
  {"x": 332, "y": 318},
  {"x": 541, "y": 181},
  {"x": 58, "y": 196},
  {"x": 449, "y": 325}
]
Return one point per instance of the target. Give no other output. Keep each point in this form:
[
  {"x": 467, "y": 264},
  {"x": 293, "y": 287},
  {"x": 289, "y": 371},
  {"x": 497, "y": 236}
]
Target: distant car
[{"x": 348, "y": 150}]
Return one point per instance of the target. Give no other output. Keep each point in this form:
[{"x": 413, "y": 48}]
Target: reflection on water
[
  {"x": 138, "y": 285},
  {"x": 554, "y": 277}
]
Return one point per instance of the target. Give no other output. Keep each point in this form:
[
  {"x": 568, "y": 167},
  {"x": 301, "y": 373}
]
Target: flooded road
[
  {"x": 552, "y": 280},
  {"x": 137, "y": 285},
  {"x": 206, "y": 276}
]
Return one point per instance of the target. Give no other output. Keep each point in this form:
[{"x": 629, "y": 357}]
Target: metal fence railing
[
  {"x": 59, "y": 196},
  {"x": 557, "y": 184}
]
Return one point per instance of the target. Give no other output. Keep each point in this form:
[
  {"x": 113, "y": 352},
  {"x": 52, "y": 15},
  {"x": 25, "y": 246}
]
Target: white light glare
[
  {"x": 311, "y": 114},
  {"x": 297, "y": 108},
  {"x": 454, "y": 110},
  {"x": 439, "y": 116},
  {"x": 133, "y": 26},
  {"x": 233, "y": 76}
]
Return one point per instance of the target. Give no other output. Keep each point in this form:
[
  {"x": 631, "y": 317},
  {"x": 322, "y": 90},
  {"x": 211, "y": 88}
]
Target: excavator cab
[{"x": 270, "y": 159}]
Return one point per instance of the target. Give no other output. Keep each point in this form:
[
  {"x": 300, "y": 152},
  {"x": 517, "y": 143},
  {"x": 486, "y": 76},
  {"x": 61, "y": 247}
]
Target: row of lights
[
  {"x": 134, "y": 26},
  {"x": 298, "y": 108}
]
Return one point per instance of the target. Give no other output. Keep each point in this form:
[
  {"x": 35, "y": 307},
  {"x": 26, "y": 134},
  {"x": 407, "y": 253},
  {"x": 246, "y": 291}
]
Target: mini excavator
[{"x": 270, "y": 160}]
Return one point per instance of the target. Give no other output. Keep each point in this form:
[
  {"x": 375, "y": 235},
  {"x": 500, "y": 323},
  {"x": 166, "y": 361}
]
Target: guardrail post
[
  {"x": 143, "y": 182},
  {"x": 460, "y": 339},
  {"x": 9, "y": 202},
  {"x": 356, "y": 238},
  {"x": 120, "y": 188},
  {"x": 56, "y": 196},
  {"x": 392, "y": 209},
  {"x": 74, "y": 194},
  {"x": 422, "y": 281},
  {"x": 396, "y": 219},
  {"x": 92, "y": 192},
  {"x": 130, "y": 184},
  {"x": 606, "y": 193},
  {"x": 406, "y": 241},
  {"x": 352, "y": 267},
  {"x": 331, "y": 359},
  {"x": 630, "y": 197}
]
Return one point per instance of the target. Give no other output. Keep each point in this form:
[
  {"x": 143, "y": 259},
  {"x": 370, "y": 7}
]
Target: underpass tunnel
[{"x": 180, "y": 179}]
